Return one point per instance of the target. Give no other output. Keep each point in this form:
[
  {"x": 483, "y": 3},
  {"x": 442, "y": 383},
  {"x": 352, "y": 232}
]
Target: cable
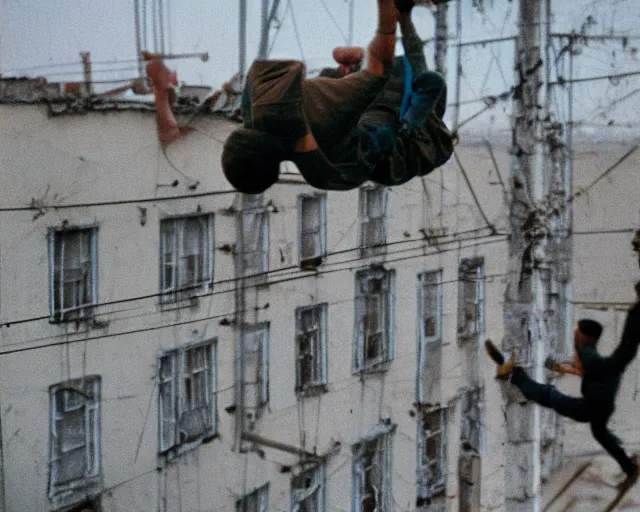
[
  {"x": 275, "y": 36},
  {"x": 80, "y": 72},
  {"x": 295, "y": 31},
  {"x": 611, "y": 77},
  {"x": 326, "y": 8},
  {"x": 473, "y": 193},
  {"x": 214, "y": 293},
  {"x": 110, "y": 335},
  {"x": 115, "y": 203},
  {"x": 234, "y": 280},
  {"x": 67, "y": 64},
  {"x": 191, "y": 321},
  {"x": 607, "y": 171}
]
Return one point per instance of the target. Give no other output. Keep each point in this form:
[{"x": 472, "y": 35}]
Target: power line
[
  {"x": 67, "y": 64},
  {"x": 473, "y": 193},
  {"x": 326, "y": 8},
  {"x": 285, "y": 273},
  {"x": 44, "y": 207},
  {"x": 235, "y": 280},
  {"x": 611, "y": 77},
  {"x": 295, "y": 31},
  {"x": 80, "y": 72},
  {"x": 195, "y": 320},
  {"x": 607, "y": 171}
]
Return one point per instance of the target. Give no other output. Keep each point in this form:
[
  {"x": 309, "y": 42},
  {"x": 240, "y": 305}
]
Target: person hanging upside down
[
  {"x": 601, "y": 377},
  {"x": 381, "y": 123}
]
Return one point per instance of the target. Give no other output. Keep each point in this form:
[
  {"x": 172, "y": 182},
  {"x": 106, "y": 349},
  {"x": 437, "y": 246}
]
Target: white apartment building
[{"x": 167, "y": 345}]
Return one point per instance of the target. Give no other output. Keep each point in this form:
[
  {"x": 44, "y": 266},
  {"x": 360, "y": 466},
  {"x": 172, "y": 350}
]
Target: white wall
[{"x": 115, "y": 156}]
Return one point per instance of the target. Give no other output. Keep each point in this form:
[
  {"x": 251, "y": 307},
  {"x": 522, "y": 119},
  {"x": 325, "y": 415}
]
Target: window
[
  {"x": 432, "y": 445},
  {"x": 256, "y": 367},
  {"x": 75, "y": 435},
  {"x": 374, "y": 317},
  {"x": 430, "y": 304},
  {"x": 257, "y": 501},
  {"x": 470, "y": 461},
  {"x": 429, "y": 336},
  {"x": 312, "y": 229},
  {"x": 186, "y": 253},
  {"x": 307, "y": 490},
  {"x": 187, "y": 395},
  {"x": 373, "y": 229},
  {"x": 471, "y": 428},
  {"x": 73, "y": 273},
  {"x": 311, "y": 346},
  {"x": 471, "y": 299},
  {"x": 372, "y": 474},
  {"x": 253, "y": 238}
]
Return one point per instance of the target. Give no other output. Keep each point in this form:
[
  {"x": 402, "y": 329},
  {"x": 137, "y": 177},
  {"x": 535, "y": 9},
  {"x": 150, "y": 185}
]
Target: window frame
[
  {"x": 262, "y": 495},
  {"x": 320, "y": 355},
  {"x": 92, "y": 414},
  {"x": 473, "y": 403},
  {"x": 366, "y": 220},
  {"x": 242, "y": 253},
  {"x": 84, "y": 311},
  {"x": 175, "y": 445},
  {"x": 427, "y": 490},
  {"x": 252, "y": 329},
  {"x": 425, "y": 341},
  {"x": 383, "y": 442},
  {"x": 386, "y": 299},
  {"x": 175, "y": 292},
  {"x": 318, "y": 476},
  {"x": 467, "y": 266},
  {"x": 312, "y": 262}
]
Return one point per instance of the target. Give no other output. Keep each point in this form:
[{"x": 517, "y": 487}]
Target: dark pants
[
  {"x": 594, "y": 412},
  {"x": 426, "y": 147}
]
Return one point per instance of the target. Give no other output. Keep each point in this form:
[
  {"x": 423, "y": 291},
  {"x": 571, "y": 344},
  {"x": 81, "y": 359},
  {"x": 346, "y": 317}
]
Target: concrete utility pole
[{"x": 527, "y": 291}]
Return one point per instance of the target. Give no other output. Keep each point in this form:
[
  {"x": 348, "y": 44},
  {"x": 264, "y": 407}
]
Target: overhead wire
[
  {"x": 473, "y": 193},
  {"x": 195, "y": 320},
  {"x": 335, "y": 22},
  {"x": 279, "y": 271},
  {"x": 607, "y": 171},
  {"x": 116, "y": 202},
  {"x": 296, "y": 33}
]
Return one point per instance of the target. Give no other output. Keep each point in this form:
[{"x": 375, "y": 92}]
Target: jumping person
[
  {"x": 601, "y": 377},
  {"x": 343, "y": 132}
]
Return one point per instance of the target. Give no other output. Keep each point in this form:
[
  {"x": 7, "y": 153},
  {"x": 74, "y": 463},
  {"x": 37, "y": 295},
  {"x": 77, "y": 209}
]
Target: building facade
[{"x": 170, "y": 345}]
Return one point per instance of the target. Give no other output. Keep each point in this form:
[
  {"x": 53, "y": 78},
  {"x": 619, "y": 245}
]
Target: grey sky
[{"x": 46, "y": 32}]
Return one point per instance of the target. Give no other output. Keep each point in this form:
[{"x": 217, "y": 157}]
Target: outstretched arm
[
  {"x": 572, "y": 368},
  {"x": 382, "y": 47}
]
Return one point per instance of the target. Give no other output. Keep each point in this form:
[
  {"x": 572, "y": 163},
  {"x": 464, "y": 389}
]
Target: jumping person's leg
[
  {"x": 613, "y": 446},
  {"x": 395, "y": 151},
  {"x": 378, "y": 126},
  {"x": 379, "y": 59},
  {"x": 545, "y": 395},
  {"x": 168, "y": 129},
  {"x": 548, "y": 396}
]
